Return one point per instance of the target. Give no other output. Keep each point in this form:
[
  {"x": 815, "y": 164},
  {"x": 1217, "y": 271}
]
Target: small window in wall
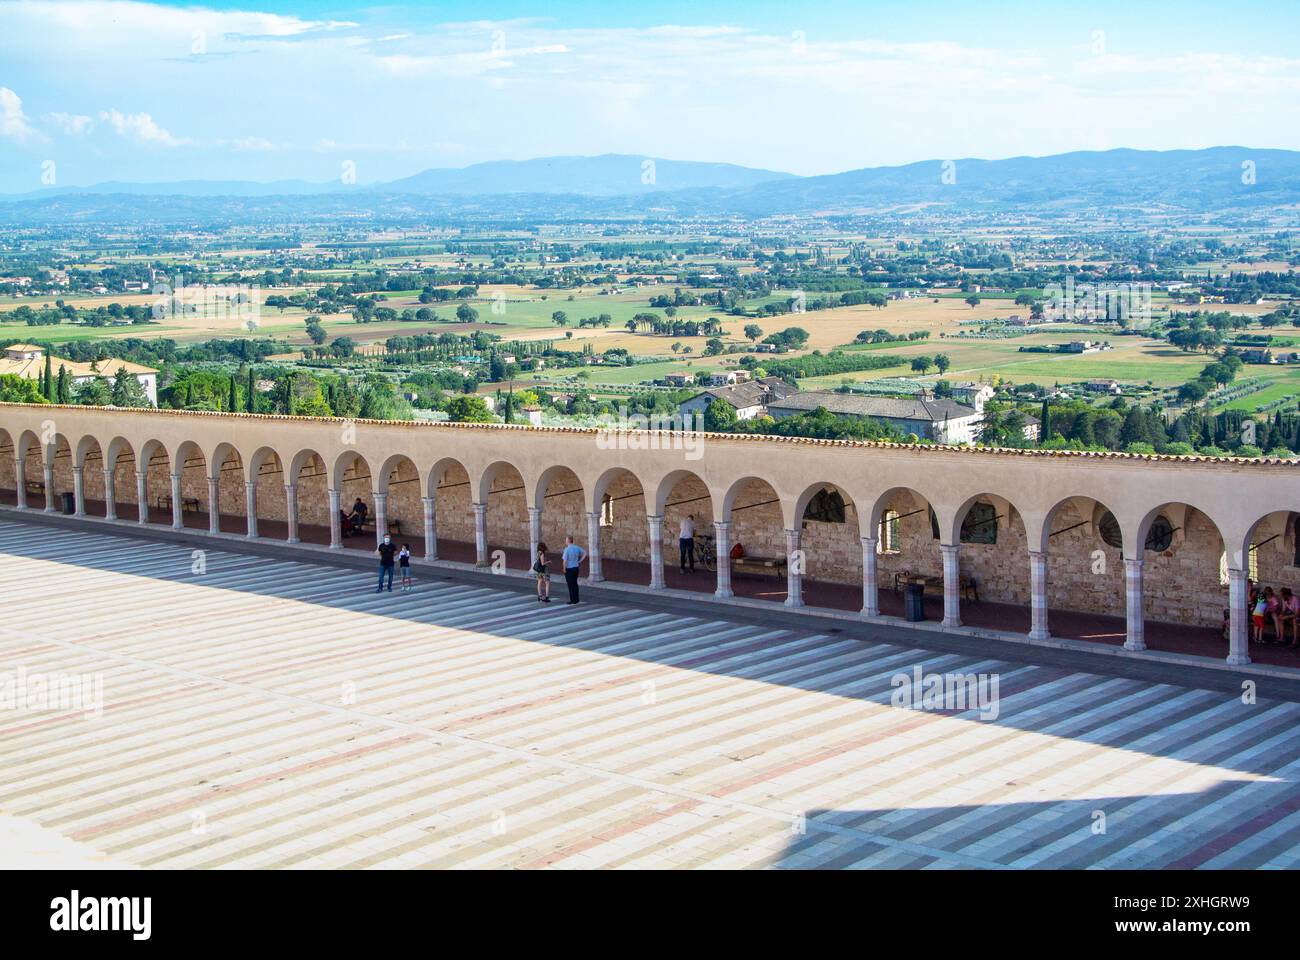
[
  {"x": 1252, "y": 563},
  {"x": 934, "y": 524},
  {"x": 607, "y": 511},
  {"x": 889, "y": 542},
  {"x": 826, "y": 506},
  {"x": 981, "y": 524},
  {"x": 1159, "y": 538},
  {"x": 1161, "y": 535},
  {"x": 1110, "y": 532}
]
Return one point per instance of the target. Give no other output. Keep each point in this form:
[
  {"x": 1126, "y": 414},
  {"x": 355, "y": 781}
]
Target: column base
[
  {"x": 336, "y": 546},
  {"x": 949, "y": 623},
  {"x": 1238, "y": 660},
  {"x": 794, "y": 601},
  {"x": 1137, "y": 646},
  {"x": 293, "y": 540},
  {"x": 724, "y": 592},
  {"x": 868, "y": 612},
  {"x": 1039, "y": 635},
  {"x": 596, "y": 579}
]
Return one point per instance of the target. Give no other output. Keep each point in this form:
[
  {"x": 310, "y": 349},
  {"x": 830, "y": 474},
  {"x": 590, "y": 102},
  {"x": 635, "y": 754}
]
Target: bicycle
[{"x": 706, "y": 552}]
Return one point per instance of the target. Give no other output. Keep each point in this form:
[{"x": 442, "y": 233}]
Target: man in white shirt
[{"x": 686, "y": 542}]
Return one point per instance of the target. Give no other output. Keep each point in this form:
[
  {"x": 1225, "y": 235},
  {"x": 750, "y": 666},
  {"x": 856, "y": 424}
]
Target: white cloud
[
  {"x": 72, "y": 124},
  {"x": 14, "y": 124},
  {"x": 141, "y": 127},
  {"x": 257, "y": 144}
]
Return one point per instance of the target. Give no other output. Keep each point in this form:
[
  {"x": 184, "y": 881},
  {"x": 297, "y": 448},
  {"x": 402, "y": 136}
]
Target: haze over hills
[{"x": 617, "y": 186}]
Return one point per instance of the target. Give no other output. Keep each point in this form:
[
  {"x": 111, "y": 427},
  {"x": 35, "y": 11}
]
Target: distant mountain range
[{"x": 618, "y": 186}]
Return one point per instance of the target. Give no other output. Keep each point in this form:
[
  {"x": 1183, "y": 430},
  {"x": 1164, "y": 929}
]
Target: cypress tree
[
  {"x": 1045, "y": 430},
  {"x": 252, "y": 392},
  {"x": 49, "y": 378},
  {"x": 64, "y": 391},
  {"x": 234, "y": 397}
]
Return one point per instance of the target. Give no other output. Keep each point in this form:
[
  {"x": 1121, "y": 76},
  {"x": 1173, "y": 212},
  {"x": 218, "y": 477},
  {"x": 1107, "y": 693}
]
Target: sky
[{"x": 95, "y": 91}]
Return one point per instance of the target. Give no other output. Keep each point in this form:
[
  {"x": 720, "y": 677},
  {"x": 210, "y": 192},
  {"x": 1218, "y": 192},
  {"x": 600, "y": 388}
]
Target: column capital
[
  {"x": 722, "y": 524},
  {"x": 869, "y": 541},
  {"x": 428, "y": 500}
]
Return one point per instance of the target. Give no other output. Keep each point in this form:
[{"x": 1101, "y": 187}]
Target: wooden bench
[
  {"x": 967, "y": 587},
  {"x": 188, "y": 504},
  {"x": 760, "y": 565},
  {"x": 368, "y": 524}
]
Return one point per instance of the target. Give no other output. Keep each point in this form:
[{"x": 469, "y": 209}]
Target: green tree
[
  {"x": 48, "y": 388},
  {"x": 719, "y": 417},
  {"x": 63, "y": 392},
  {"x": 468, "y": 408},
  {"x": 127, "y": 391},
  {"x": 250, "y": 401},
  {"x": 16, "y": 389}
]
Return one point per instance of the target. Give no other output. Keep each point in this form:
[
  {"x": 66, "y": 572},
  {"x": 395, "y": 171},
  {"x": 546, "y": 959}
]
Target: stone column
[
  {"x": 722, "y": 545},
  {"x": 178, "y": 519},
  {"x": 381, "y": 517},
  {"x": 336, "y": 527},
  {"x": 870, "y": 577},
  {"x": 656, "y": 552},
  {"x": 291, "y": 511},
  {"x": 214, "y": 505},
  {"x": 79, "y": 490},
  {"x": 1135, "y": 634},
  {"x": 430, "y": 505},
  {"x": 110, "y": 495},
  {"x": 48, "y": 470},
  {"x": 793, "y": 569},
  {"x": 593, "y": 548},
  {"x": 1038, "y": 595},
  {"x": 951, "y": 584},
  {"x": 20, "y": 468},
  {"x": 480, "y": 535},
  {"x": 142, "y": 496},
  {"x": 250, "y": 507},
  {"x": 534, "y": 533},
  {"x": 1238, "y": 619}
]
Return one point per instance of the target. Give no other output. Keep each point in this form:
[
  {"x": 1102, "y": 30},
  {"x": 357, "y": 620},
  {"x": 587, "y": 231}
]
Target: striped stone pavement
[{"x": 263, "y": 712}]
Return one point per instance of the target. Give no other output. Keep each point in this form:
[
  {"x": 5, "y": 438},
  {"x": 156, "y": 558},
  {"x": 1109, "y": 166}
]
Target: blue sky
[{"x": 93, "y": 91}]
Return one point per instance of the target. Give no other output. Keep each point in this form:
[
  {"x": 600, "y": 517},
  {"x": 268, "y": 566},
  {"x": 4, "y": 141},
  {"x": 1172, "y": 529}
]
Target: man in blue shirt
[{"x": 573, "y": 556}]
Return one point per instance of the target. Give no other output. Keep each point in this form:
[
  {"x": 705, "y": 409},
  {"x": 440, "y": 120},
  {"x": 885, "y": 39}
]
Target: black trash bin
[
  {"x": 914, "y": 601},
  {"x": 69, "y": 503}
]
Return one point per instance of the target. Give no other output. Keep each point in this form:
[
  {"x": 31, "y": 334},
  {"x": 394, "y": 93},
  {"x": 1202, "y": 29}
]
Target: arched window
[
  {"x": 1110, "y": 532},
  {"x": 1159, "y": 538},
  {"x": 1161, "y": 535},
  {"x": 826, "y": 506},
  {"x": 889, "y": 541},
  {"x": 981, "y": 524}
]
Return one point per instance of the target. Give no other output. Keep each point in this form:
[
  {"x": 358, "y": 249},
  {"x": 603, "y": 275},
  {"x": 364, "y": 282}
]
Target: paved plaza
[{"x": 257, "y": 711}]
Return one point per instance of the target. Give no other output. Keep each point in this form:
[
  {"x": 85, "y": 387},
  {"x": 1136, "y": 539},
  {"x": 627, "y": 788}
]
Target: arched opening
[
  {"x": 1184, "y": 593},
  {"x": 907, "y": 534},
  {"x": 60, "y": 474},
  {"x": 269, "y": 504},
  {"x": 153, "y": 484},
  {"x": 1272, "y": 568},
  {"x": 1083, "y": 546},
  {"x": 8, "y": 470},
  {"x": 994, "y": 588},
  {"x": 759, "y": 549},
  {"x": 193, "y": 467},
  {"x": 401, "y": 486},
  {"x": 830, "y": 540},
  {"x": 560, "y": 497},
  {"x": 30, "y": 472},
  {"x": 619, "y": 501},
  {"x": 309, "y": 520},
  {"x": 502, "y": 501},
  {"x": 354, "y": 482},
  {"x": 90, "y": 463},
  {"x": 452, "y": 494},
  {"x": 229, "y": 491},
  {"x": 120, "y": 491}
]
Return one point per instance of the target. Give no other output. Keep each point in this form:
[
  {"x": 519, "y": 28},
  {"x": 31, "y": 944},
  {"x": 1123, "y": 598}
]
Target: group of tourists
[
  {"x": 390, "y": 556},
  {"x": 571, "y": 558},
  {"x": 1276, "y": 611}
]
